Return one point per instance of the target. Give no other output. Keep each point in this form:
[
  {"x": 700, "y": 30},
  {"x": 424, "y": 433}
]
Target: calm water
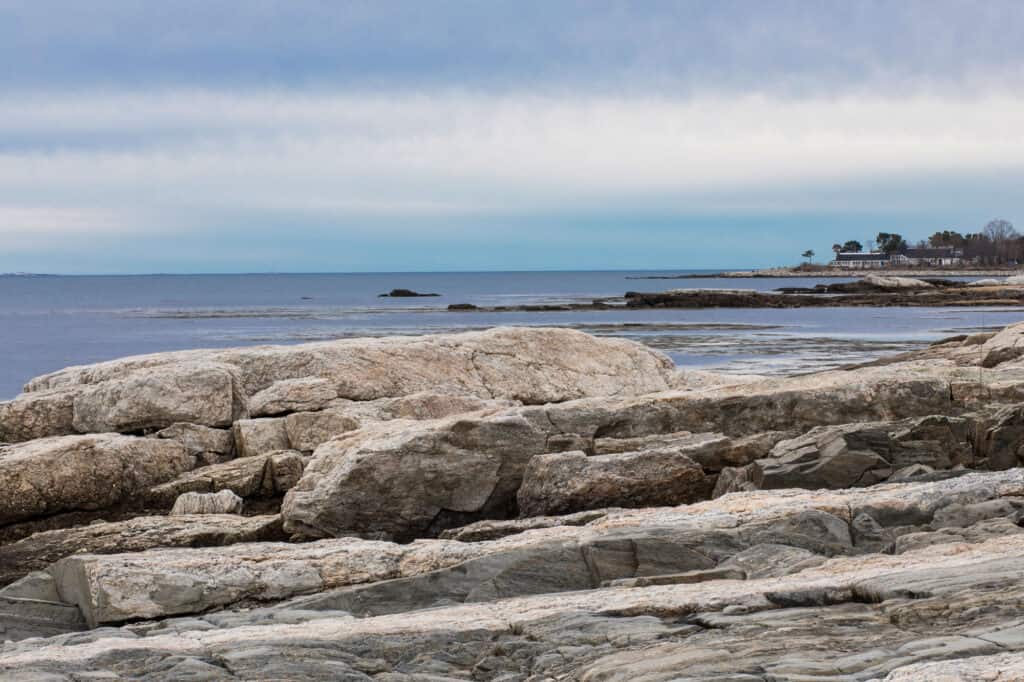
[{"x": 51, "y": 322}]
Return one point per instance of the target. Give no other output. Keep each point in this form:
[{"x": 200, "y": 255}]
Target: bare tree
[{"x": 1003, "y": 237}]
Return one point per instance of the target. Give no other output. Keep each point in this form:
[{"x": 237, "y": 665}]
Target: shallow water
[{"x": 51, "y": 322}]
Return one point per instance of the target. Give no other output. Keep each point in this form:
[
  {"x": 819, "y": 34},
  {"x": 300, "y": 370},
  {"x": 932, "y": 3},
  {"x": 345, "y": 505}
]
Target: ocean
[{"x": 50, "y": 322}]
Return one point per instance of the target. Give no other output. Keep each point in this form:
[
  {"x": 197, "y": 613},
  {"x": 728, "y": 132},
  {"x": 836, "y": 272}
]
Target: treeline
[{"x": 998, "y": 242}]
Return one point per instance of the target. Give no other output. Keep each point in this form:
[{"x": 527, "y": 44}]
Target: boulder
[
  {"x": 1006, "y": 345},
  {"x": 292, "y": 395},
  {"x": 37, "y": 415},
  {"x": 259, "y": 436},
  {"x": 38, "y": 551},
  {"x": 157, "y": 397},
  {"x": 207, "y": 445},
  {"x": 222, "y": 502},
  {"x": 51, "y": 475},
  {"x": 1004, "y": 440},
  {"x": 306, "y": 431},
  {"x": 569, "y": 482}
]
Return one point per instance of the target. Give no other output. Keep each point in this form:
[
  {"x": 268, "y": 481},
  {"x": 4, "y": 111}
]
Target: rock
[
  {"x": 713, "y": 451},
  {"x": 1006, "y": 345},
  {"x": 863, "y": 454},
  {"x": 266, "y": 475},
  {"x": 199, "y": 393},
  {"x": 259, "y": 436},
  {"x": 621, "y": 544},
  {"x": 530, "y": 365},
  {"x": 51, "y": 475},
  {"x": 406, "y": 479},
  {"x": 569, "y": 482},
  {"x": 207, "y": 445},
  {"x": 405, "y": 293},
  {"x": 37, "y": 415},
  {"x": 292, "y": 395},
  {"x": 895, "y": 283},
  {"x": 991, "y": 282},
  {"x": 1004, "y": 440},
  {"x": 36, "y": 552},
  {"x": 306, "y": 431},
  {"x": 772, "y": 560},
  {"x": 223, "y": 502},
  {"x": 686, "y": 578},
  {"x": 852, "y": 621},
  {"x": 398, "y": 478},
  {"x": 493, "y": 530}
]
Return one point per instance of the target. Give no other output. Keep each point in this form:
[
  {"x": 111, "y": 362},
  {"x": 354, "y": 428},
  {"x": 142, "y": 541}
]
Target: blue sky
[{"x": 352, "y": 136}]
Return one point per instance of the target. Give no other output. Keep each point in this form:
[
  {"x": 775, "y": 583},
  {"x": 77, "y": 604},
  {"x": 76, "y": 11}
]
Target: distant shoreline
[{"x": 845, "y": 272}]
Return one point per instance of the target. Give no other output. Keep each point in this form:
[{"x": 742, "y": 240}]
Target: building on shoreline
[{"x": 939, "y": 256}]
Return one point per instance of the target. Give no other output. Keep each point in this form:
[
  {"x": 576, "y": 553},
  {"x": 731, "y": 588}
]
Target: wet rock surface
[{"x": 516, "y": 505}]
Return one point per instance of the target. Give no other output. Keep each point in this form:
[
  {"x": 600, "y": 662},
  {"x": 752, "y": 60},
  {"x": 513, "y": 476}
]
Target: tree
[
  {"x": 808, "y": 254},
  {"x": 837, "y": 249},
  {"x": 890, "y": 242},
  {"x": 947, "y": 238},
  {"x": 1004, "y": 239},
  {"x": 852, "y": 246}
]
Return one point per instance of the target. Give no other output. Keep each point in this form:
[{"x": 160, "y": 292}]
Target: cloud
[
  {"x": 469, "y": 153},
  {"x": 793, "y": 46}
]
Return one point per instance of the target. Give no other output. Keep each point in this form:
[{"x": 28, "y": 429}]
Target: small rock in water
[
  {"x": 404, "y": 293},
  {"x": 223, "y": 502}
]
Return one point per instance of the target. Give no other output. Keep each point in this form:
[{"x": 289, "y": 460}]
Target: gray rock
[
  {"x": 38, "y": 551},
  {"x": 52, "y": 475},
  {"x": 864, "y": 454},
  {"x": 207, "y": 445},
  {"x": 37, "y": 415},
  {"x": 222, "y": 502},
  {"x": 567, "y": 482},
  {"x": 213, "y": 387},
  {"x": 493, "y": 530},
  {"x": 292, "y": 395},
  {"x": 199, "y": 393},
  {"x": 255, "y": 437},
  {"x": 306, "y": 431}
]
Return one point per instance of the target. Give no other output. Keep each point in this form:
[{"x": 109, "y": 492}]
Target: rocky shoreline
[
  {"x": 827, "y": 272},
  {"x": 514, "y": 504},
  {"x": 869, "y": 291}
]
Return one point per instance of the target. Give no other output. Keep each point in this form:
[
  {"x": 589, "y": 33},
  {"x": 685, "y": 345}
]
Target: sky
[{"x": 345, "y": 136}]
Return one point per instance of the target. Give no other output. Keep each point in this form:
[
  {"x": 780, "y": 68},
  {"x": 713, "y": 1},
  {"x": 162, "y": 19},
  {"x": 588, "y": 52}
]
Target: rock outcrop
[
  {"x": 516, "y": 505},
  {"x": 213, "y": 388}
]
